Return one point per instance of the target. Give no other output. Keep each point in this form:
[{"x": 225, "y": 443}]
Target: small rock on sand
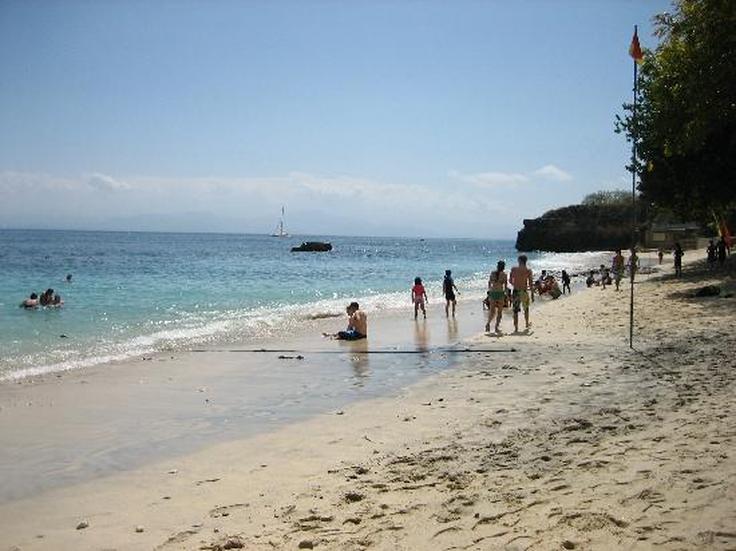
[
  {"x": 82, "y": 525},
  {"x": 306, "y": 544},
  {"x": 139, "y": 529},
  {"x": 352, "y": 497},
  {"x": 233, "y": 543},
  {"x": 567, "y": 544}
]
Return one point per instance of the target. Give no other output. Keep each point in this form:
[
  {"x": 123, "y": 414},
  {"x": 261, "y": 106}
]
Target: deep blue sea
[{"x": 138, "y": 293}]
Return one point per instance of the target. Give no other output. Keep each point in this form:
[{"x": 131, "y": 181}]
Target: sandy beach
[{"x": 562, "y": 438}]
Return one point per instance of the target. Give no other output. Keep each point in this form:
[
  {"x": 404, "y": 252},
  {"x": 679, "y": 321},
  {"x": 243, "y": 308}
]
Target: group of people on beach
[
  {"x": 517, "y": 289},
  {"x": 717, "y": 253},
  {"x": 606, "y": 276}
]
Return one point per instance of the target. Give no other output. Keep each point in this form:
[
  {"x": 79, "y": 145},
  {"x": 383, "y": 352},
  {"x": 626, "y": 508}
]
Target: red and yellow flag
[{"x": 635, "y": 48}]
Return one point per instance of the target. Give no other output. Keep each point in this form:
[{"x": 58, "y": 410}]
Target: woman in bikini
[{"x": 497, "y": 285}]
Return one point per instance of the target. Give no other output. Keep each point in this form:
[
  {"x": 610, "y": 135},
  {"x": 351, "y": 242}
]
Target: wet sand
[
  {"x": 570, "y": 441},
  {"x": 65, "y": 428}
]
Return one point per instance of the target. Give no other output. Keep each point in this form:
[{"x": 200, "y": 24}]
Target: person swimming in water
[
  {"x": 31, "y": 302},
  {"x": 47, "y": 297}
]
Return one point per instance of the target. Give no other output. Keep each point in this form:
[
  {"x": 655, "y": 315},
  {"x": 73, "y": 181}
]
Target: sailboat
[{"x": 279, "y": 231}]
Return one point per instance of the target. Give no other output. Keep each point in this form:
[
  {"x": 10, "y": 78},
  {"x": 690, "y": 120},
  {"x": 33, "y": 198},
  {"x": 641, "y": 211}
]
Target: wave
[{"x": 210, "y": 328}]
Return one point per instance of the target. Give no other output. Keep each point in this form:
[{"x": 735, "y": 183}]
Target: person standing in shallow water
[
  {"x": 497, "y": 285},
  {"x": 449, "y": 289},
  {"x": 419, "y": 297},
  {"x": 522, "y": 280},
  {"x": 678, "y": 253}
]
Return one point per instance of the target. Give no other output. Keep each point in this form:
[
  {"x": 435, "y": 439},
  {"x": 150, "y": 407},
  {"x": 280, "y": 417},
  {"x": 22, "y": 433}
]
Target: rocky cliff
[{"x": 577, "y": 228}]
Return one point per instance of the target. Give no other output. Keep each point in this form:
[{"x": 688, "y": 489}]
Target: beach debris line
[{"x": 358, "y": 352}]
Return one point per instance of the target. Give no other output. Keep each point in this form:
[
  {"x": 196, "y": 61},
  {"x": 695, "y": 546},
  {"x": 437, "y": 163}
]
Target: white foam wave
[{"x": 212, "y": 327}]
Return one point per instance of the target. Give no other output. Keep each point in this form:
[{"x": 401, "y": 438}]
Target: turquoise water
[{"x": 139, "y": 293}]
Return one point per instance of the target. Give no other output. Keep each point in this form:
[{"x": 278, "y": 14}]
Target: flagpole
[{"x": 632, "y": 267}]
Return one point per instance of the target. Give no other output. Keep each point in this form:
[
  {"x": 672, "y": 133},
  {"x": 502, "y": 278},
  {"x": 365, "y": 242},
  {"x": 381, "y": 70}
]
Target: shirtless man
[
  {"x": 497, "y": 285},
  {"x": 523, "y": 283},
  {"x": 357, "y": 324}
]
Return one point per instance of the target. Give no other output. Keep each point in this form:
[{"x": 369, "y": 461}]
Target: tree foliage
[
  {"x": 608, "y": 198},
  {"x": 685, "y": 124}
]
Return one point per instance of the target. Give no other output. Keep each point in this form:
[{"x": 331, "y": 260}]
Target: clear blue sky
[{"x": 422, "y": 118}]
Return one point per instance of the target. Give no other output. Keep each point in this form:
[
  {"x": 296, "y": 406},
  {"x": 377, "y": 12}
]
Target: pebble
[
  {"x": 173, "y": 471},
  {"x": 233, "y": 543},
  {"x": 306, "y": 544},
  {"x": 82, "y": 525},
  {"x": 138, "y": 529}
]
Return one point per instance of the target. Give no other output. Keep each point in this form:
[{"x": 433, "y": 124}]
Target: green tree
[
  {"x": 608, "y": 198},
  {"x": 685, "y": 125}
]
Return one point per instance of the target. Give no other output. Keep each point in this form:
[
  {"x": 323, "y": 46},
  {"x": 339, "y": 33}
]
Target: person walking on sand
[
  {"x": 522, "y": 281},
  {"x": 449, "y": 289},
  {"x": 660, "y": 255},
  {"x": 678, "y": 253},
  {"x": 633, "y": 263},
  {"x": 604, "y": 276},
  {"x": 566, "y": 282},
  {"x": 617, "y": 266},
  {"x": 419, "y": 297},
  {"x": 497, "y": 285},
  {"x": 712, "y": 255}
]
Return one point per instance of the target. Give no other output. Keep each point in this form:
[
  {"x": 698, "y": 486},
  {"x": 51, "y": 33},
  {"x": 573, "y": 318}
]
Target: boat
[
  {"x": 312, "y": 247},
  {"x": 280, "y": 231}
]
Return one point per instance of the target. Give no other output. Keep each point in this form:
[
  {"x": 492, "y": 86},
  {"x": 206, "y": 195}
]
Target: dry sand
[{"x": 573, "y": 441}]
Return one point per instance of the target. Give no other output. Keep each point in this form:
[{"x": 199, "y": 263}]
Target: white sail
[{"x": 280, "y": 231}]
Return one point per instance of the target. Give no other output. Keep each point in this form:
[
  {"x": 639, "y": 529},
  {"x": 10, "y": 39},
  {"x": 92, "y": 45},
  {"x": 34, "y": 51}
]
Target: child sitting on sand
[{"x": 419, "y": 297}]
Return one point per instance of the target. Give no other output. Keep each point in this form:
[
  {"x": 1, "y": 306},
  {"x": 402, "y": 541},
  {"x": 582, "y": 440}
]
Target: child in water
[{"x": 419, "y": 297}]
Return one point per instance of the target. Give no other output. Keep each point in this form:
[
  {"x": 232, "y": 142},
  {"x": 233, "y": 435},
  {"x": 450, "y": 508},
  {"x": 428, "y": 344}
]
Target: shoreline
[
  {"x": 563, "y": 370},
  {"x": 49, "y": 423},
  {"x": 79, "y": 351}
]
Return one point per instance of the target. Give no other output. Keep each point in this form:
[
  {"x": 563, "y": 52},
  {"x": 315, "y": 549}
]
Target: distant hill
[{"x": 586, "y": 227}]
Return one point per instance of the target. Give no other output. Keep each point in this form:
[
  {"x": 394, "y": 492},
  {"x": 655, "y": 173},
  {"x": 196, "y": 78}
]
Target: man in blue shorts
[{"x": 357, "y": 324}]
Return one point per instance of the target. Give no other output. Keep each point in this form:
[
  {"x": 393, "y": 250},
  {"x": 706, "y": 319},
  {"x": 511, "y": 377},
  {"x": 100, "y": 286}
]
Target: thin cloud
[
  {"x": 332, "y": 203},
  {"x": 490, "y": 179},
  {"x": 553, "y": 173},
  {"x": 103, "y": 182},
  {"x": 548, "y": 172}
]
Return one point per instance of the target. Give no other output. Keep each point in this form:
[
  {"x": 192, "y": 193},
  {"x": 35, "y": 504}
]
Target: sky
[{"x": 417, "y": 118}]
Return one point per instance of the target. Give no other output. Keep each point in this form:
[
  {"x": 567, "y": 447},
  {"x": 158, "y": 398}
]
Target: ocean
[{"x": 135, "y": 293}]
